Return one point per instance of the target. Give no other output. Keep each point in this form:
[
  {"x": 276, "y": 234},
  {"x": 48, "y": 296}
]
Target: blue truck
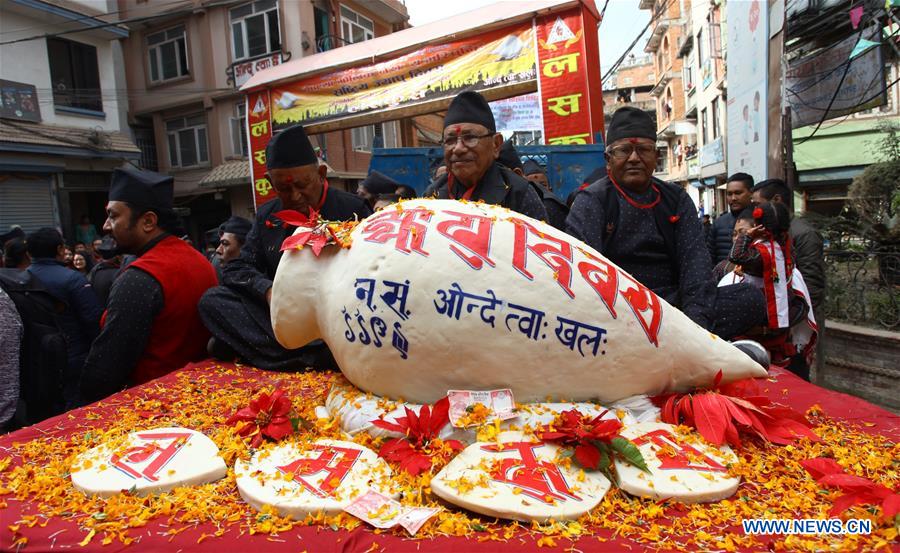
[{"x": 567, "y": 166}]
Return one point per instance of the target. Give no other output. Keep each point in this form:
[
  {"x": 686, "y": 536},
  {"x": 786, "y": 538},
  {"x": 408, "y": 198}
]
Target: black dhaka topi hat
[
  {"x": 509, "y": 156},
  {"x": 379, "y": 183},
  {"x": 630, "y": 122},
  {"x": 290, "y": 148},
  {"x": 531, "y": 167},
  {"x": 237, "y": 226},
  {"x": 470, "y": 107},
  {"x": 144, "y": 189}
]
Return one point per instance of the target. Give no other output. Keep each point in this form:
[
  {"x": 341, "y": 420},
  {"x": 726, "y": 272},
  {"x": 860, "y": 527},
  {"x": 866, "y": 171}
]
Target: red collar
[
  {"x": 634, "y": 203},
  {"x": 466, "y": 195}
]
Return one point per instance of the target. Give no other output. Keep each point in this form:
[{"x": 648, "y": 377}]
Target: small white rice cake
[
  {"x": 520, "y": 479},
  {"x": 148, "y": 461},
  {"x": 324, "y": 476},
  {"x": 687, "y": 472}
]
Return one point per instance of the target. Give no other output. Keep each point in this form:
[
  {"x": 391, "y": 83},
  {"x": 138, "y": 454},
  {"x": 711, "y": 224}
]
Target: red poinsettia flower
[
  {"x": 857, "y": 490},
  {"x": 674, "y": 219},
  {"x": 265, "y": 416},
  {"x": 757, "y": 213},
  {"x": 596, "y": 440},
  {"x": 581, "y": 431},
  {"x": 720, "y": 413},
  {"x": 315, "y": 234},
  {"x": 420, "y": 448}
]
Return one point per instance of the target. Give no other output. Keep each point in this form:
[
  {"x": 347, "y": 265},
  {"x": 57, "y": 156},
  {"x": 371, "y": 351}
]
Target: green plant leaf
[{"x": 629, "y": 452}]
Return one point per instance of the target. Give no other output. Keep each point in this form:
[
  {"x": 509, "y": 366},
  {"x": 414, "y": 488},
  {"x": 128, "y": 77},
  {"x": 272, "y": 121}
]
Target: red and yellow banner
[
  {"x": 563, "y": 79},
  {"x": 496, "y": 59},
  {"x": 259, "y": 129}
]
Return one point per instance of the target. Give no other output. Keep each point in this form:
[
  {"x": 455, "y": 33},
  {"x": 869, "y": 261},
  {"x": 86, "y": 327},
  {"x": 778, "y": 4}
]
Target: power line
[
  {"x": 616, "y": 65},
  {"x": 156, "y": 4},
  {"x": 117, "y": 23}
]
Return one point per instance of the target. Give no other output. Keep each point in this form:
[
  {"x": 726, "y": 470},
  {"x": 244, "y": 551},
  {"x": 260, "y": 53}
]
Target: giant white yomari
[{"x": 437, "y": 295}]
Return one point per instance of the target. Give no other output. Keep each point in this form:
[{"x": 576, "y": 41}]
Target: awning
[
  {"x": 38, "y": 138},
  {"x": 232, "y": 173},
  {"x": 237, "y": 173},
  {"x": 828, "y": 175}
]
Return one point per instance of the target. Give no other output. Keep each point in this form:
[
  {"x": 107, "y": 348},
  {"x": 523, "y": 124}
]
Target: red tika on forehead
[
  {"x": 633, "y": 140},
  {"x": 458, "y": 129}
]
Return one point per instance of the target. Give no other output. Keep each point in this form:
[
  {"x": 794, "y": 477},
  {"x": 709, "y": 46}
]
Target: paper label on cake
[
  {"x": 520, "y": 479},
  {"x": 300, "y": 479},
  {"x": 383, "y": 512},
  {"x": 681, "y": 468},
  {"x": 499, "y": 403},
  {"x": 413, "y": 519},
  {"x": 376, "y": 509},
  {"x": 149, "y": 461},
  {"x": 440, "y": 295}
]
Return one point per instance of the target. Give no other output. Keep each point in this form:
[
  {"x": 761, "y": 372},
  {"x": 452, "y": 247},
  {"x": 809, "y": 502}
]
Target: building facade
[
  {"x": 185, "y": 66},
  {"x": 63, "y": 122},
  {"x": 630, "y": 85},
  {"x": 676, "y": 131},
  {"x": 703, "y": 59}
]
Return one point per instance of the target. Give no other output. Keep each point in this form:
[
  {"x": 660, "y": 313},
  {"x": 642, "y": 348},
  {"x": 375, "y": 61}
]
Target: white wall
[{"x": 27, "y": 62}]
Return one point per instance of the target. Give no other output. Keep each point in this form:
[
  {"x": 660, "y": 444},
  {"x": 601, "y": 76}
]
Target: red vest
[{"x": 178, "y": 336}]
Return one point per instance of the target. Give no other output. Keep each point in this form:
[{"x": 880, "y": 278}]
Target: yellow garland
[{"x": 774, "y": 484}]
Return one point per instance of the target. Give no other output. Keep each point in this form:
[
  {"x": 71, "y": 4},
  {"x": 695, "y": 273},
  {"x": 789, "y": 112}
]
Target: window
[
  {"x": 238, "y": 132},
  {"x": 715, "y": 119},
  {"x": 364, "y": 138},
  {"x": 703, "y": 127},
  {"x": 688, "y": 77},
  {"x": 715, "y": 35},
  {"x": 74, "y": 74},
  {"x": 254, "y": 29},
  {"x": 168, "y": 54},
  {"x": 187, "y": 141},
  {"x": 354, "y": 27},
  {"x": 701, "y": 49}
]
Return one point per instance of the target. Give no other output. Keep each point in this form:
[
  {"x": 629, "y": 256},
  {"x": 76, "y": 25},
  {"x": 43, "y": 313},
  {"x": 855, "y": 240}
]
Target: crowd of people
[{"x": 137, "y": 302}]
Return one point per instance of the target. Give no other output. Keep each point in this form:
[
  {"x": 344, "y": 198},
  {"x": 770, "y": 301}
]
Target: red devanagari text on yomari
[
  {"x": 674, "y": 455},
  {"x": 556, "y": 253},
  {"x": 333, "y": 463},
  {"x": 470, "y": 239},
  {"x": 477, "y": 241},
  {"x": 540, "y": 480},
  {"x": 129, "y": 460},
  {"x": 404, "y": 228}
]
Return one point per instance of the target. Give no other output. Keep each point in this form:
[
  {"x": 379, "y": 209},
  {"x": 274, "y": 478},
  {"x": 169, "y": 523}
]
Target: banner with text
[
  {"x": 563, "y": 82},
  {"x": 259, "y": 127},
  {"x": 500, "y": 58}
]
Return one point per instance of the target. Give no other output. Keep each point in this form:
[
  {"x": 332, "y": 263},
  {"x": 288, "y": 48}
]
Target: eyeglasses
[
  {"x": 468, "y": 140},
  {"x": 624, "y": 151}
]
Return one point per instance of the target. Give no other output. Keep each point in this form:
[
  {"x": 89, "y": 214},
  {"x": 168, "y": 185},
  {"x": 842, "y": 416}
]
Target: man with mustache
[
  {"x": 237, "y": 313},
  {"x": 471, "y": 148},
  {"x": 650, "y": 228}
]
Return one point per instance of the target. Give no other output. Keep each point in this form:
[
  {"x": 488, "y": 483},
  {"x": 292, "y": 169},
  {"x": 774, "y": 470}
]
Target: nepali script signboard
[{"x": 555, "y": 54}]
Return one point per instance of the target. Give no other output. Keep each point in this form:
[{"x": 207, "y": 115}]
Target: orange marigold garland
[
  {"x": 315, "y": 231},
  {"x": 418, "y": 451},
  {"x": 857, "y": 490},
  {"x": 265, "y": 416},
  {"x": 597, "y": 441},
  {"x": 721, "y": 412}
]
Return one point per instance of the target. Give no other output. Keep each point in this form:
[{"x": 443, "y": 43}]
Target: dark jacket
[
  {"x": 809, "y": 256},
  {"x": 101, "y": 278},
  {"x": 718, "y": 240},
  {"x": 255, "y": 268},
  {"x": 557, "y": 210},
  {"x": 681, "y": 276},
  {"x": 81, "y": 321},
  {"x": 499, "y": 186}
]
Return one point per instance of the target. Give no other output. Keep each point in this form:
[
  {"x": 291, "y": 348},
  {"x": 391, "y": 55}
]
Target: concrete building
[
  {"x": 63, "y": 125},
  {"x": 185, "y": 65},
  {"x": 676, "y": 132},
  {"x": 703, "y": 78},
  {"x": 630, "y": 85}
]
